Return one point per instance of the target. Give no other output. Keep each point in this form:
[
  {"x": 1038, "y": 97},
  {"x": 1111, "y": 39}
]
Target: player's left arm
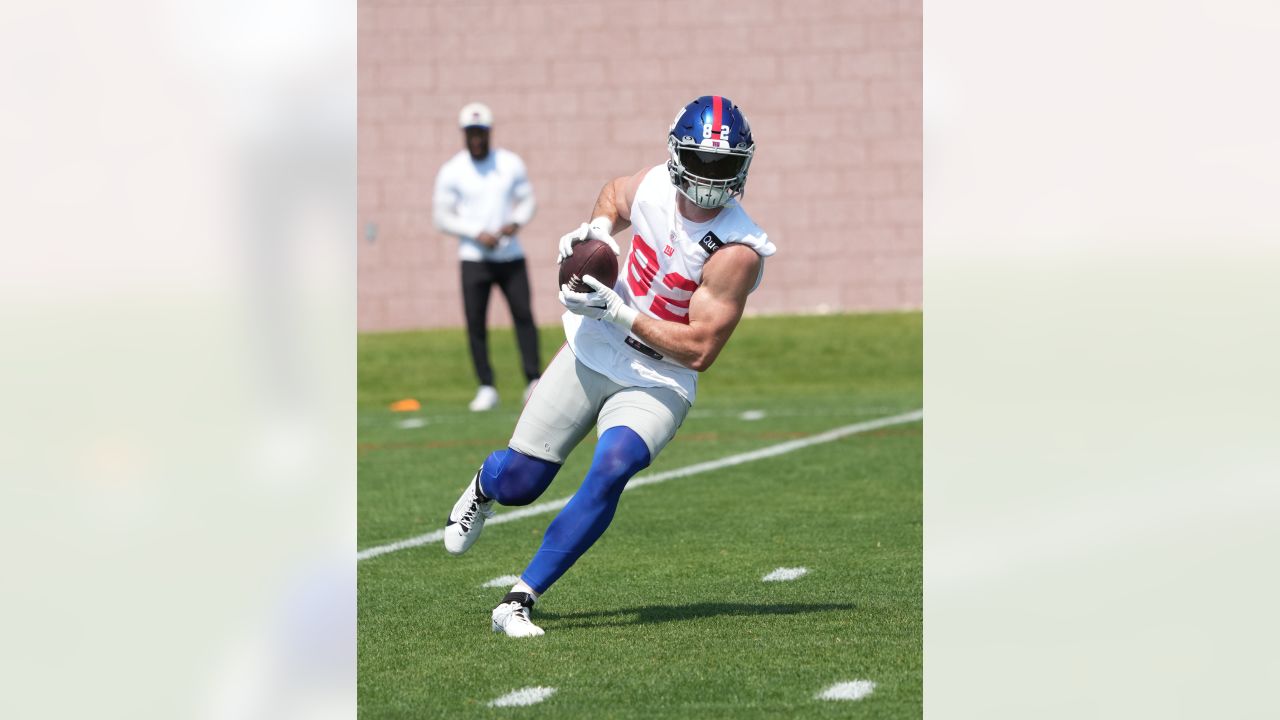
[{"x": 714, "y": 310}]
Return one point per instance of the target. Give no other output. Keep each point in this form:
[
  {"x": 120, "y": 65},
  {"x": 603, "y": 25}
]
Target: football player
[{"x": 633, "y": 352}]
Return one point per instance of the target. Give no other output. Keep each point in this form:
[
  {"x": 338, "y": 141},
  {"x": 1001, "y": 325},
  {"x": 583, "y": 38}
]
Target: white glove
[
  {"x": 601, "y": 303},
  {"x": 598, "y": 229}
]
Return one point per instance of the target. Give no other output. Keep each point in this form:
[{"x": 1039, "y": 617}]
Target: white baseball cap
[{"x": 475, "y": 115}]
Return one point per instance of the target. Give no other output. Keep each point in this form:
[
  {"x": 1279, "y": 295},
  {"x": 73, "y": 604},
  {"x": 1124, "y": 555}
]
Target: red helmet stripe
[{"x": 716, "y": 116}]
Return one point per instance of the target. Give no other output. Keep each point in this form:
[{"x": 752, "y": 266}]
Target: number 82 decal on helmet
[{"x": 710, "y": 148}]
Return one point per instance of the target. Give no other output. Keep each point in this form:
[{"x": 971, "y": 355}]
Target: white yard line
[
  {"x": 852, "y": 690},
  {"x": 724, "y": 462},
  {"x": 504, "y": 581},
  {"x": 843, "y": 411},
  {"x": 523, "y": 696},
  {"x": 784, "y": 573}
]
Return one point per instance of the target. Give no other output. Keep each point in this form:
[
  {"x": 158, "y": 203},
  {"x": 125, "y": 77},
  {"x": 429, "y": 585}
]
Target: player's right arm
[{"x": 612, "y": 213}]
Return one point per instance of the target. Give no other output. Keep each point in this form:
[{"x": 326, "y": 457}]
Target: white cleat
[
  {"x": 466, "y": 520},
  {"x": 486, "y": 399},
  {"x": 512, "y": 616}
]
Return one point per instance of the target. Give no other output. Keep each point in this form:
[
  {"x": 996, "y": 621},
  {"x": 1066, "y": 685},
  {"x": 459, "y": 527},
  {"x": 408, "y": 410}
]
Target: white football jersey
[{"x": 659, "y": 275}]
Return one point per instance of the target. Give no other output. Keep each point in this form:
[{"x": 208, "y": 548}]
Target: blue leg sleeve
[
  {"x": 514, "y": 478},
  {"x": 620, "y": 454}
]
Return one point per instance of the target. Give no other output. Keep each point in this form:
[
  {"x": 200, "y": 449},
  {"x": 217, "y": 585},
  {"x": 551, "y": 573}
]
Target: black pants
[{"x": 478, "y": 279}]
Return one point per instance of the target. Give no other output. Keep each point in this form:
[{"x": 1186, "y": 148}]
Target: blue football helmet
[{"x": 711, "y": 147}]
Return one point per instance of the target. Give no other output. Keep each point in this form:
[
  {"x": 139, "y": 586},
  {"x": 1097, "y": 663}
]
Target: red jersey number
[{"x": 642, "y": 269}]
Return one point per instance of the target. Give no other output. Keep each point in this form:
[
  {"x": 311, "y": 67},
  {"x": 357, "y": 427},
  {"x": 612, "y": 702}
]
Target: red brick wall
[{"x": 585, "y": 91}]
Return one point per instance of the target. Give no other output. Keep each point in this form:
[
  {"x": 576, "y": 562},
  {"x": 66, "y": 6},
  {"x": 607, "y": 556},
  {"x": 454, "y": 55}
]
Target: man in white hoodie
[{"x": 483, "y": 197}]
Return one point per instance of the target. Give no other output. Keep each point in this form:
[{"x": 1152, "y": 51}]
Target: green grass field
[{"x": 666, "y": 616}]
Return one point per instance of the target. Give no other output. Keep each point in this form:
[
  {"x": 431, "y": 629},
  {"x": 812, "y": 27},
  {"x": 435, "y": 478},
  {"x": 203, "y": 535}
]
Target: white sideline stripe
[
  {"x": 413, "y": 422},
  {"x": 852, "y": 690},
  {"x": 752, "y": 415},
  {"x": 785, "y": 574},
  {"x": 724, "y": 462},
  {"x": 504, "y": 581},
  {"x": 523, "y": 696}
]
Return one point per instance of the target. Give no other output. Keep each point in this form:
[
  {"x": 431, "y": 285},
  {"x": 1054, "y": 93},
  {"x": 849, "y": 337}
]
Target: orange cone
[{"x": 406, "y": 405}]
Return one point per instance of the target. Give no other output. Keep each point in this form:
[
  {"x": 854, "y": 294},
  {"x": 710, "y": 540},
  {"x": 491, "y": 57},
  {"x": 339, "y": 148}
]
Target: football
[{"x": 590, "y": 257}]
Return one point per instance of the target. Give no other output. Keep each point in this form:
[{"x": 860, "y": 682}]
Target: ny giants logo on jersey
[{"x": 670, "y": 294}]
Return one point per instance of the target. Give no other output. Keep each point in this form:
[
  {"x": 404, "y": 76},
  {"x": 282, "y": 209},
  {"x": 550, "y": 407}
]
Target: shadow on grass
[{"x": 652, "y": 614}]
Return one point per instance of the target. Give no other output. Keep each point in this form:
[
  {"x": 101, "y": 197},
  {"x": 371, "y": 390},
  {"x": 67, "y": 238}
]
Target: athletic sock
[{"x": 523, "y": 587}]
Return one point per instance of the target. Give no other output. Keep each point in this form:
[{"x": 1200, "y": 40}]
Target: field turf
[{"x": 666, "y": 616}]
